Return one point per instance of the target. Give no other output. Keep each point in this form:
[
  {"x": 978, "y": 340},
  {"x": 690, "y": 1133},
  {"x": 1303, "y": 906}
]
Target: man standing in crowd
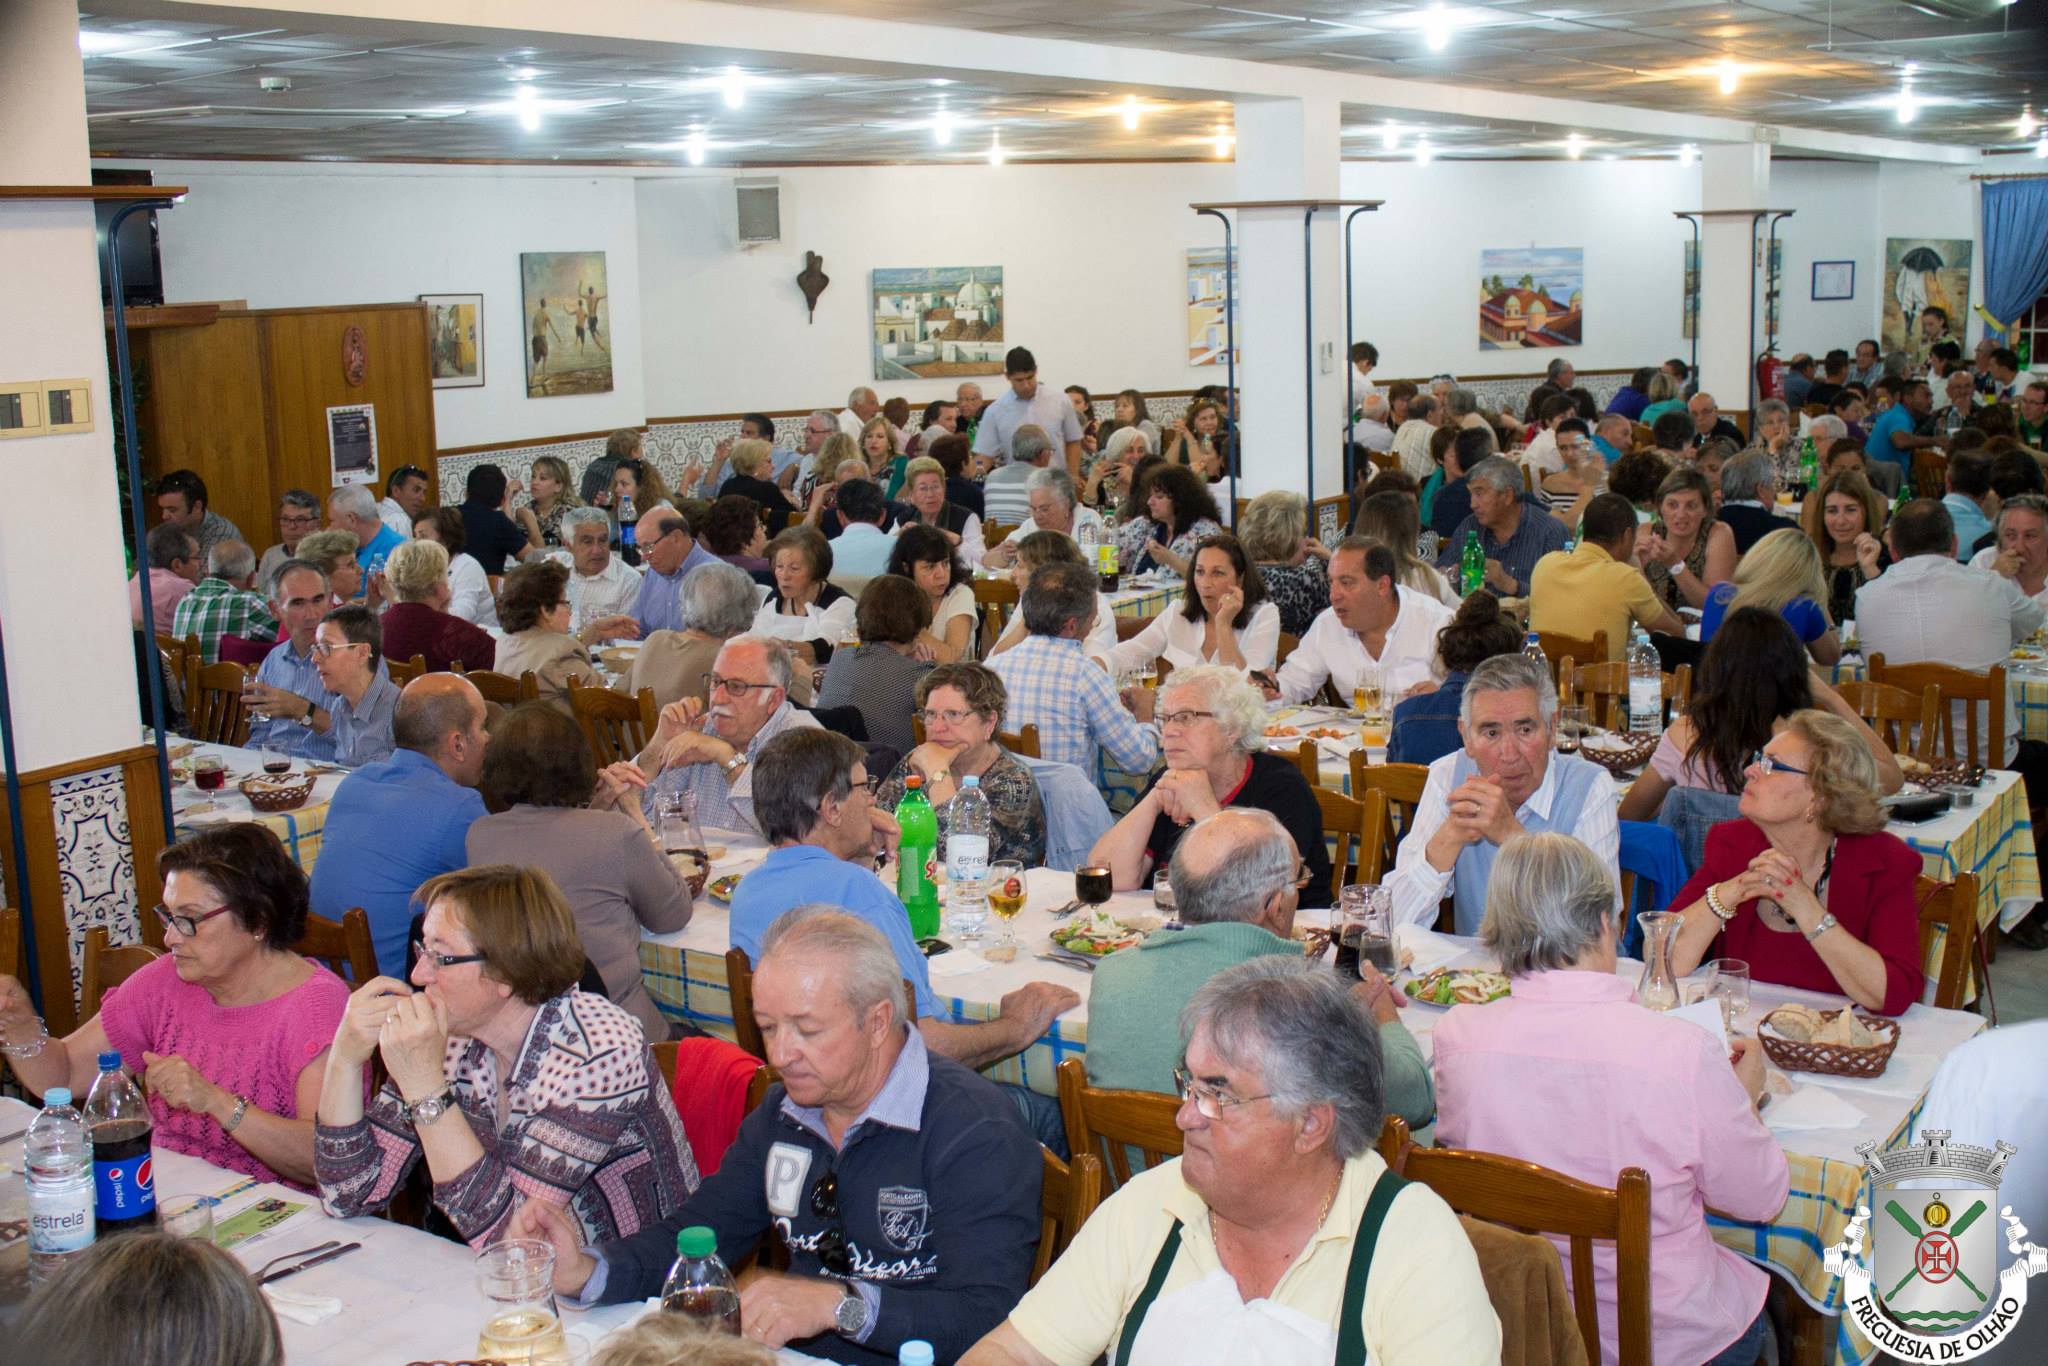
[
  {"x": 181, "y": 500},
  {"x": 1372, "y": 626},
  {"x": 222, "y": 604},
  {"x": 1028, "y": 403}
]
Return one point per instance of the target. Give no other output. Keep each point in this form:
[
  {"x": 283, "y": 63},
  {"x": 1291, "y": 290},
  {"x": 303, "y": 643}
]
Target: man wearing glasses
[
  {"x": 708, "y": 747},
  {"x": 667, "y": 552},
  {"x": 900, "y": 1183},
  {"x": 298, "y": 516}
]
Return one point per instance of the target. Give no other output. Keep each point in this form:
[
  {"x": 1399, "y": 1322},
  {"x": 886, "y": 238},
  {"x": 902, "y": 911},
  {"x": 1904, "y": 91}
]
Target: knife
[{"x": 294, "y": 1270}]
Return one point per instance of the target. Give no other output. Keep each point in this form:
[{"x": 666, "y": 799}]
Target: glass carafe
[
  {"x": 1658, "y": 989},
  {"x": 516, "y": 1279}
]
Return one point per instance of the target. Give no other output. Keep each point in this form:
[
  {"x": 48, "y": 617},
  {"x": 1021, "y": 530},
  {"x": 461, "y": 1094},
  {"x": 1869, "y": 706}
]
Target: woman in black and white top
[{"x": 803, "y": 607}]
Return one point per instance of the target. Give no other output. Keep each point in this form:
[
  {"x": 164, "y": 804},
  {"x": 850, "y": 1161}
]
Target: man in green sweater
[{"x": 1236, "y": 877}]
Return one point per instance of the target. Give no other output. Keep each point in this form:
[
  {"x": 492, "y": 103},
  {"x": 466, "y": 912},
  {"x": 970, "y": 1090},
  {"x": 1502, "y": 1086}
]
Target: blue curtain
[{"x": 2015, "y": 246}]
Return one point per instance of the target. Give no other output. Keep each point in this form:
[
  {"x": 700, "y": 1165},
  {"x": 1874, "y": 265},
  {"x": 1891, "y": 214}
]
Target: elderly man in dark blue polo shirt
[
  {"x": 1514, "y": 529},
  {"x": 902, "y": 1184}
]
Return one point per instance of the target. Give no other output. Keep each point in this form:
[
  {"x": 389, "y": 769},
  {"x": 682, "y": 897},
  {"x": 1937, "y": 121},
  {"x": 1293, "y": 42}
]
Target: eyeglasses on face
[
  {"x": 1183, "y": 719},
  {"x": 1210, "y": 1103},
  {"x": 442, "y": 960},
  {"x": 950, "y": 717},
  {"x": 327, "y": 649},
  {"x": 186, "y": 925},
  {"x": 298, "y": 519},
  {"x": 1772, "y": 765},
  {"x": 735, "y": 688}
]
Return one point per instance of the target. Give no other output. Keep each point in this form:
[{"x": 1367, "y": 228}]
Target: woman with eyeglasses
[
  {"x": 228, "y": 1029},
  {"x": 1808, "y": 887},
  {"x": 962, "y": 707},
  {"x": 1212, "y": 727},
  {"x": 512, "y": 1084}
]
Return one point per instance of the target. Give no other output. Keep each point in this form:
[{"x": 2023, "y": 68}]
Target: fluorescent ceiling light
[
  {"x": 101, "y": 43},
  {"x": 1223, "y": 142},
  {"x": 693, "y": 147},
  {"x": 1131, "y": 113},
  {"x": 527, "y": 104},
  {"x": 735, "y": 87},
  {"x": 1574, "y": 146},
  {"x": 942, "y": 127},
  {"x": 1423, "y": 152},
  {"x": 1731, "y": 76},
  {"x": 1390, "y": 136},
  {"x": 995, "y": 148},
  {"x": 1436, "y": 28}
]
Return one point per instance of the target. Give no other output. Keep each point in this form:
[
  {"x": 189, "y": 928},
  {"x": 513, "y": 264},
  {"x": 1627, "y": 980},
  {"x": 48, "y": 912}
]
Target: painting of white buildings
[{"x": 938, "y": 322}]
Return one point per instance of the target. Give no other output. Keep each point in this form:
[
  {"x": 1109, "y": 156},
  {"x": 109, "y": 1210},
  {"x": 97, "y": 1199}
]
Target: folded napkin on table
[
  {"x": 300, "y": 1308},
  {"x": 1811, "y": 1107},
  {"x": 955, "y": 964}
]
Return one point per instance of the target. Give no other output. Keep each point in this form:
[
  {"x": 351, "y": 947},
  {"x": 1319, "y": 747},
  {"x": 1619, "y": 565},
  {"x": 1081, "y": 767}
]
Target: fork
[{"x": 1063, "y": 912}]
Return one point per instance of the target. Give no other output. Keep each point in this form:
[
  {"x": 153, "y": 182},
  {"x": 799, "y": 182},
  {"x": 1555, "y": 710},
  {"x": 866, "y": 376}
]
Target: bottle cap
[
  {"x": 56, "y": 1096},
  {"x": 696, "y": 1241},
  {"x": 913, "y": 783},
  {"x": 915, "y": 1352},
  {"x": 971, "y": 780},
  {"x": 110, "y": 1061}
]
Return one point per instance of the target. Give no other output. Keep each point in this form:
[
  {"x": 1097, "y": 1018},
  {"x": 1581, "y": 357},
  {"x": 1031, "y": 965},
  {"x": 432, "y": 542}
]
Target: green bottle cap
[{"x": 696, "y": 1241}]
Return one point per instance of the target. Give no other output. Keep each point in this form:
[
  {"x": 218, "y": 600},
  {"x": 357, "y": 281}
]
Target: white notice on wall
[{"x": 352, "y": 443}]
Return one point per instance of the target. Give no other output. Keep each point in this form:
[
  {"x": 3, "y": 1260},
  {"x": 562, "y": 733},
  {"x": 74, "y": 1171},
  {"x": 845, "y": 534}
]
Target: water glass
[
  {"x": 1571, "y": 729},
  {"x": 1728, "y": 982},
  {"x": 1162, "y": 897},
  {"x": 187, "y": 1216},
  {"x": 1364, "y": 927}
]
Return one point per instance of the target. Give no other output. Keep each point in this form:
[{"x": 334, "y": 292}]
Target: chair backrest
[
  {"x": 1105, "y": 1122},
  {"x": 1965, "y": 690},
  {"x": 1024, "y": 741},
  {"x": 1344, "y": 829},
  {"x": 181, "y": 656},
  {"x": 1306, "y": 759},
  {"x": 404, "y": 671},
  {"x": 994, "y": 534},
  {"x": 617, "y": 727},
  {"x": 1602, "y": 689},
  {"x": 1129, "y": 628},
  {"x": 1402, "y": 786},
  {"x": 1948, "y": 911},
  {"x": 345, "y": 946},
  {"x": 739, "y": 987},
  {"x": 1284, "y": 648},
  {"x": 1558, "y": 647},
  {"x": 1895, "y": 713},
  {"x": 1376, "y": 845},
  {"x": 1641, "y": 433},
  {"x": 504, "y": 689},
  {"x": 1930, "y": 473},
  {"x": 757, "y": 1089},
  {"x": 1534, "y": 1199},
  {"x": 1067, "y": 1195},
  {"x": 213, "y": 704},
  {"x": 665, "y": 1060},
  {"x": 106, "y": 967}
]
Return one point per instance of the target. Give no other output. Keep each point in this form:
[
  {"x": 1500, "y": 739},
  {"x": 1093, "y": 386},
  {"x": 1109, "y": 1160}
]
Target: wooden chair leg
[{"x": 1803, "y": 1333}]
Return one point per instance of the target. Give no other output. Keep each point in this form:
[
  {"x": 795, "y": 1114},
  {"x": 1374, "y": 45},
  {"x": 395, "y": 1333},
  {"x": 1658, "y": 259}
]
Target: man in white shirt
[
  {"x": 1004, "y": 497},
  {"x": 1505, "y": 782},
  {"x": 1371, "y": 625},
  {"x": 861, "y": 407},
  {"x": 862, "y": 549},
  {"x": 1411, "y": 439},
  {"x": 1542, "y": 451},
  {"x": 405, "y": 500},
  {"x": 602, "y": 587},
  {"x": 1927, "y": 608},
  {"x": 1028, "y": 404}
]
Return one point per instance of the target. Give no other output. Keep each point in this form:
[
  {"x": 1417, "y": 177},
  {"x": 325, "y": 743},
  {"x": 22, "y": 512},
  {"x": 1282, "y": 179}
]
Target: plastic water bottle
[
  {"x": 699, "y": 1287},
  {"x": 629, "y": 530},
  {"x": 967, "y": 827},
  {"x": 916, "y": 1352},
  {"x": 1471, "y": 565},
  {"x": 1645, "y": 685},
  {"x": 123, "y": 1178},
  {"x": 58, "y": 1159},
  {"x": 918, "y": 854},
  {"x": 1532, "y": 648}
]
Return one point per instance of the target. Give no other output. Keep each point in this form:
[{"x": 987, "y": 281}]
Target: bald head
[
  {"x": 442, "y": 717},
  {"x": 1236, "y": 865}
]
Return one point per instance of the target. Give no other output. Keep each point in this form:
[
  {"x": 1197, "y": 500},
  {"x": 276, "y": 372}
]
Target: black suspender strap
[
  {"x": 1350, "y": 1329},
  {"x": 1135, "y": 1320}
]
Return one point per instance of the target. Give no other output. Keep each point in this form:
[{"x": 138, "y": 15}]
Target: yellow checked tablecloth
[
  {"x": 299, "y": 830},
  {"x": 2026, "y": 692}
]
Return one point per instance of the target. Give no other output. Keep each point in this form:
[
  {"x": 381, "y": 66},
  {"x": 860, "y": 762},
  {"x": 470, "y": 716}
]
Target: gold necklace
[{"x": 1329, "y": 1201}]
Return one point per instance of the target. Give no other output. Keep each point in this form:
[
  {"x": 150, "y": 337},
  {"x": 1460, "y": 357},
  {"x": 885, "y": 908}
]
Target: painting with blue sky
[{"x": 1531, "y": 296}]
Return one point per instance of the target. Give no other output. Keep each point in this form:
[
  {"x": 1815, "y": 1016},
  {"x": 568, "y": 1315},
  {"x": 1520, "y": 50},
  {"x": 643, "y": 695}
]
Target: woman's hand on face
[
  {"x": 414, "y": 1045},
  {"x": 1228, "y": 606},
  {"x": 1868, "y": 549},
  {"x": 362, "y": 1019}
]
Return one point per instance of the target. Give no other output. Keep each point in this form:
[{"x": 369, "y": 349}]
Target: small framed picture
[
  {"x": 455, "y": 339},
  {"x": 1834, "y": 280}
]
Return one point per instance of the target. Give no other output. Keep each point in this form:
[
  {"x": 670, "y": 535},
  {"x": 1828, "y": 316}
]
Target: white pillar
[
  {"x": 63, "y": 605},
  {"x": 1732, "y": 176},
  {"x": 1289, "y": 149}
]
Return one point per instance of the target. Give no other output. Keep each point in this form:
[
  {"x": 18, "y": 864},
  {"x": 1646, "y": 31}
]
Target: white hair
[
  {"x": 1510, "y": 673},
  {"x": 352, "y": 500},
  {"x": 863, "y": 392},
  {"x": 576, "y": 517},
  {"x": 863, "y": 965},
  {"x": 1548, "y": 900},
  {"x": 1121, "y": 439},
  {"x": 1827, "y": 427},
  {"x": 1055, "y": 479},
  {"x": 1240, "y": 710}
]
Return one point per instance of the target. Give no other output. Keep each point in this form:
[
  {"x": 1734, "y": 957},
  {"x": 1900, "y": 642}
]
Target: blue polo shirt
[
  {"x": 799, "y": 874},
  {"x": 391, "y": 826},
  {"x": 1879, "y": 444},
  {"x": 284, "y": 667},
  {"x": 381, "y": 545}
]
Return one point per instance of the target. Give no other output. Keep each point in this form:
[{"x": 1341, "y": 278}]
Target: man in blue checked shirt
[
  {"x": 1055, "y": 686},
  {"x": 285, "y": 697}
]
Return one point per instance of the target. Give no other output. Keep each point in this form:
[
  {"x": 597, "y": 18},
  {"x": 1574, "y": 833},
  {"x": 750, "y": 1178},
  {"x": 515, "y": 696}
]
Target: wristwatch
[
  {"x": 1826, "y": 922},
  {"x": 850, "y": 1315},
  {"x": 432, "y": 1108},
  {"x": 733, "y": 765}
]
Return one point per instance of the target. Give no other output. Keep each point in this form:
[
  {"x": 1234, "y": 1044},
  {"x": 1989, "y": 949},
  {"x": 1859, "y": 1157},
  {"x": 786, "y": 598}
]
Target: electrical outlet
[
  {"x": 1326, "y": 357},
  {"x": 21, "y": 410},
  {"x": 67, "y": 406}
]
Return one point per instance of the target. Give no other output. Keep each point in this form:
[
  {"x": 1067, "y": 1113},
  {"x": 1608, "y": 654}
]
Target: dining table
[{"x": 193, "y": 810}]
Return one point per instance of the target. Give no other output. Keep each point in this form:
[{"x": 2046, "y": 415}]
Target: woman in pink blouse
[
  {"x": 511, "y": 1083},
  {"x": 228, "y": 1029},
  {"x": 1569, "y": 1072}
]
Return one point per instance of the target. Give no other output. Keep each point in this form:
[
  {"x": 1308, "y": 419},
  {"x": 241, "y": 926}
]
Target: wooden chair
[
  {"x": 10, "y": 943},
  {"x": 1105, "y": 1122},
  {"x": 665, "y": 1060},
  {"x": 181, "y": 656},
  {"x": 617, "y": 727},
  {"x": 1602, "y": 689},
  {"x": 1023, "y": 740},
  {"x": 213, "y": 704},
  {"x": 739, "y": 989},
  {"x": 1957, "y": 685},
  {"x": 994, "y": 534},
  {"x": 1284, "y": 648},
  {"x": 1534, "y": 1199},
  {"x": 1894, "y": 713},
  {"x": 1067, "y": 1195},
  {"x": 404, "y": 671},
  {"x": 1558, "y": 647},
  {"x": 107, "y": 967},
  {"x": 757, "y": 1089},
  {"x": 1642, "y": 434},
  {"x": 1344, "y": 828},
  {"x": 1307, "y": 760},
  {"x": 503, "y": 689},
  {"x": 1402, "y": 785},
  {"x": 1930, "y": 474},
  {"x": 345, "y": 946},
  {"x": 1375, "y": 844},
  {"x": 1128, "y": 627},
  {"x": 1949, "y": 909}
]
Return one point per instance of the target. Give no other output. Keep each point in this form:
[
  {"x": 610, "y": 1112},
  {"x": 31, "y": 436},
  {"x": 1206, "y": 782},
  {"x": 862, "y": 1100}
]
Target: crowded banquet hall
[{"x": 643, "y": 705}]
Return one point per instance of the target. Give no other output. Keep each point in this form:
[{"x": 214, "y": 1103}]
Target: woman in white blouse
[
  {"x": 1055, "y": 547},
  {"x": 925, "y": 557},
  {"x": 803, "y": 606},
  {"x": 1223, "y": 618},
  {"x": 469, "y": 589}
]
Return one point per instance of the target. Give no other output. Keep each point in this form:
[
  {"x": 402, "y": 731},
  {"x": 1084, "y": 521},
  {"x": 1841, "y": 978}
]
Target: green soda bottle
[
  {"x": 918, "y": 853},
  {"x": 1809, "y": 467},
  {"x": 1471, "y": 565}
]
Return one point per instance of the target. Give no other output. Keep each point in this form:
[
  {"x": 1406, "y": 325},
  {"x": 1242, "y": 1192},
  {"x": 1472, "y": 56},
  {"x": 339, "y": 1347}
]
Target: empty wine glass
[{"x": 1728, "y": 982}]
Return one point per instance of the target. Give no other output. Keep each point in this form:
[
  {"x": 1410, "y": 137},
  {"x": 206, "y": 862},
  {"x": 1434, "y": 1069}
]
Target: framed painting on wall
[
  {"x": 566, "y": 305},
  {"x": 1206, "y": 324},
  {"x": 1926, "y": 294},
  {"x": 1834, "y": 280},
  {"x": 1531, "y": 297},
  {"x": 937, "y": 322},
  {"x": 455, "y": 339}
]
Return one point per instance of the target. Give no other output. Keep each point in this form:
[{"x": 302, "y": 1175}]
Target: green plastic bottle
[
  {"x": 1809, "y": 466},
  {"x": 918, "y": 852},
  {"x": 1472, "y": 565}
]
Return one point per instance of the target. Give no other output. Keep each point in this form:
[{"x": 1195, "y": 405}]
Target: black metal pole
[
  {"x": 1773, "y": 284},
  {"x": 1230, "y": 354},
  {"x": 30, "y": 977},
  {"x": 1350, "y": 370},
  {"x": 1749, "y": 362}
]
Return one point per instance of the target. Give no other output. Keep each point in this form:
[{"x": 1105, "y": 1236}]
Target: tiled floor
[{"x": 2019, "y": 984}]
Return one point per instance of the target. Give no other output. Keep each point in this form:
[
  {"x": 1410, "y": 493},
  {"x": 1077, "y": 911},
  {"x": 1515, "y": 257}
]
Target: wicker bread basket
[
  {"x": 278, "y": 794},
  {"x": 1630, "y": 754},
  {"x": 1832, "y": 1059}
]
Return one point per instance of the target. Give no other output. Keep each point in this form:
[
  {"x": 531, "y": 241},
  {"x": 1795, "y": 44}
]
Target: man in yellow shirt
[
  {"x": 1597, "y": 587},
  {"x": 1279, "y": 1236}
]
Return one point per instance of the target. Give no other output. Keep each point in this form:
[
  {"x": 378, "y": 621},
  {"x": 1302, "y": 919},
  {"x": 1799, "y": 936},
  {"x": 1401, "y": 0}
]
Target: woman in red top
[
  {"x": 1808, "y": 888},
  {"x": 419, "y": 623}
]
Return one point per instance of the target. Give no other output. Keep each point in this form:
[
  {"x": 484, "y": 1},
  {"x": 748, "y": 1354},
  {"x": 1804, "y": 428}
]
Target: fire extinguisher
[{"x": 1770, "y": 375}]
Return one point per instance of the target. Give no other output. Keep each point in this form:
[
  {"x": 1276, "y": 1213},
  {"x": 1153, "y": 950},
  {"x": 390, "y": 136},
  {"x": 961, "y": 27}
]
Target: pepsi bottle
[{"x": 123, "y": 1178}]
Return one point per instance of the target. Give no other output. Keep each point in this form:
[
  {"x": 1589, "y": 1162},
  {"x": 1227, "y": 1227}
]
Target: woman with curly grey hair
[{"x": 1212, "y": 726}]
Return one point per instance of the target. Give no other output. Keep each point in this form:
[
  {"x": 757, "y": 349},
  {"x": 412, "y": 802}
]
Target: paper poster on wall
[
  {"x": 1689, "y": 320},
  {"x": 568, "y": 323},
  {"x": 1531, "y": 297},
  {"x": 455, "y": 339},
  {"x": 352, "y": 444},
  {"x": 1926, "y": 290},
  {"x": 1207, "y": 333},
  {"x": 938, "y": 322}
]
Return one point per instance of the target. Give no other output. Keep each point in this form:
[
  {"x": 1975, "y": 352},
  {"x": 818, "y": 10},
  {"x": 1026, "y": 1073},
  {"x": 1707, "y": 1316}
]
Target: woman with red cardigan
[
  {"x": 419, "y": 622},
  {"x": 1808, "y": 887}
]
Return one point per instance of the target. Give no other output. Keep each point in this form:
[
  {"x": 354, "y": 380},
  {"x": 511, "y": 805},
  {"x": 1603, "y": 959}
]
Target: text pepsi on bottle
[{"x": 123, "y": 1177}]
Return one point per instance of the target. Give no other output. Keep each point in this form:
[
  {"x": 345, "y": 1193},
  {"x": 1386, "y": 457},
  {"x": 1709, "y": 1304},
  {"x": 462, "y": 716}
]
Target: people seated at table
[
  {"x": 228, "y": 1029},
  {"x": 1687, "y": 550},
  {"x": 182, "y": 502},
  {"x": 223, "y": 603},
  {"x": 861, "y": 549},
  {"x": 899, "y": 1183},
  {"x": 1222, "y": 618},
  {"x": 707, "y": 746},
  {"x": 541, "y": 787},
  {"x": 1513, "y": 527},
  {"x": 924, "y": 556},
  {"x": 601, "y": 585},
  {"x": 1212, "y": 729},
  {"x": 353, "y": 508},
  {"x": 203, "y": 1306},
  {"x": 550, "y": 496},
  {"x": 1598, "y": 587},
  {"x": 925, "y": 491},
  {"x": 406, "y": 492},
  {"x": 1247, "y": 1247},
  {"x": 1808, "y": 887},
  {"x": 298, "y": 513},
  {"x": 471, "y": 595},
  {"x": 717, "y": 604},
  {"x": 1753, "y": 676},
  {"x": 676, "y": 1340},
  {"x": 1373, "y": 626},
  {"x": 290, "y": 708},
  {"x": 1183, "y": 514},
  {"x": 732, "y": 529},
  {"x": 1424, "y": 727},
  {"x": 533, "y": 607},
  {"x": 962, "y": 706},
  {"x": 1780, "y": 573},
  {"x": 1749, "y": 499},
  {"x": 1035, "y": 550},
  {"x": 752, "y": 463},
  {"x": 512, "y": 1085},
  {"x": 1905, "y": 427},
  {"x": 1506, "y": 781},
  {"x": 393, "y": 824},
  {"x": 2020, "y": 551},
  {"x": 175, "y": 565},
  {"x": 1969, "y": 500},
  {"x": 1108, "y": 481},
  {"x": 1451, "y": 500},
  {"x": 1390, "y": 517},
  {"x": 804, "y": 607},
  {"x": 1844, "y": 518},
  {"x": 878, "y": 677},
  {"x": 1055, "y": 686},
  {"x": 668, "y": 551},
  {"x": 419, "y": 622},
  {"x": 1055, "y": 506},
  {"x": 1570, "y": 1073},
  {"x": 361, "y": 698},
  {"x": 333, "y": 553},
  {"x": 1294, "y": 565}
]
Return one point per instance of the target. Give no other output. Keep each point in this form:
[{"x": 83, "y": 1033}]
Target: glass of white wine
[
  {"x": 1007, "y": 892},
  {"x": 1365, "y": 695},
  {"x": 516, "y": 1278}
]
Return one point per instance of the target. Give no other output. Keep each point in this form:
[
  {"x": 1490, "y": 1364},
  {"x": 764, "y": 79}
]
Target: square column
[{"x": 1734, "y": 176}]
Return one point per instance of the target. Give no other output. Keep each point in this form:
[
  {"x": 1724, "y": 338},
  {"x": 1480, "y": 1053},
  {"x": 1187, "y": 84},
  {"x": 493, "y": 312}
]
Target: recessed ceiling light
[
  {"x": 693, "y": 147},
  {"x": 2041, "y": 147},
  {"x": 1390, "y": 136},
  {"x": 1907, "y": 107},
  {"x": 1731, "y": 76},
  {"x": 524, "y": 73},
  {"x": 942, "y": 127},
  {"x": 1131, "y": 112},
  {"x": 1574, "y": 146},
  {"x": 941, "y": 81},
  {"x": 735, "y": 87},
  {"x": 1436, "y": 28},
  {"x": 1423, "y": 152},
  {"x": 527, "y": 103}
]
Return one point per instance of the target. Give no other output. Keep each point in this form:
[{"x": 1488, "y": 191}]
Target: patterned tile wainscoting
[{"x": 95, "y": 861}]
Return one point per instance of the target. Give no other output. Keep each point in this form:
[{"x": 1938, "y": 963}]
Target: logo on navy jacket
[{"x": 905, "y": 1214}]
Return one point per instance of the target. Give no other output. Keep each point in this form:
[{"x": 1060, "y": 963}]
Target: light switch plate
[
  {"x": 21, "y": 409},
  {"x": 67, "y": 406}
]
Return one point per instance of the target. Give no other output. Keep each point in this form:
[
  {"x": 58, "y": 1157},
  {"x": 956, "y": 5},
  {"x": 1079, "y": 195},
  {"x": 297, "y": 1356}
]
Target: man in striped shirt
[
  {"x": 222, "y": 604},
  {"x": 1055, "y": 686}
]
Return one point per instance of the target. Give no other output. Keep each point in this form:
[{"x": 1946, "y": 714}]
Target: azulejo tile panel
[{"x": 95, "y": 860}]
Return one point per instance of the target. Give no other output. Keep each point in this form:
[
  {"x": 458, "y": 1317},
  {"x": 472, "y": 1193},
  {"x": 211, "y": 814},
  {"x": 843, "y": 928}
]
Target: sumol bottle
[
  {"x": 918, "y": 853},
  {"x": 967, "y": 827},
  {"x": 58, "y": 1159},
  {"x": 1471, "y": 565},
  {"x": 124, "y": 1181},
  {"x": 699, "y": 1287},
  {"x": 1645, "y": 685}
]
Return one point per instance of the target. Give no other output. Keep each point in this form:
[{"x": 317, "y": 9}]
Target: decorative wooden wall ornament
[
  {"x": 813, "y": 281},
  {"x": 355, "y": 355}
]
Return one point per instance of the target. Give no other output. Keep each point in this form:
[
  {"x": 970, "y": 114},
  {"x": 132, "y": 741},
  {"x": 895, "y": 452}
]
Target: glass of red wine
[
  {"x": 1093, "y": 886},
  {"x": 276, "y": 763}
]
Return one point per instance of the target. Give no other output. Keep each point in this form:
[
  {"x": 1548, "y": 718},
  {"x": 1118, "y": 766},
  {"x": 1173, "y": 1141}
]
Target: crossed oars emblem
[{"x": 1906, "y": 1222}]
